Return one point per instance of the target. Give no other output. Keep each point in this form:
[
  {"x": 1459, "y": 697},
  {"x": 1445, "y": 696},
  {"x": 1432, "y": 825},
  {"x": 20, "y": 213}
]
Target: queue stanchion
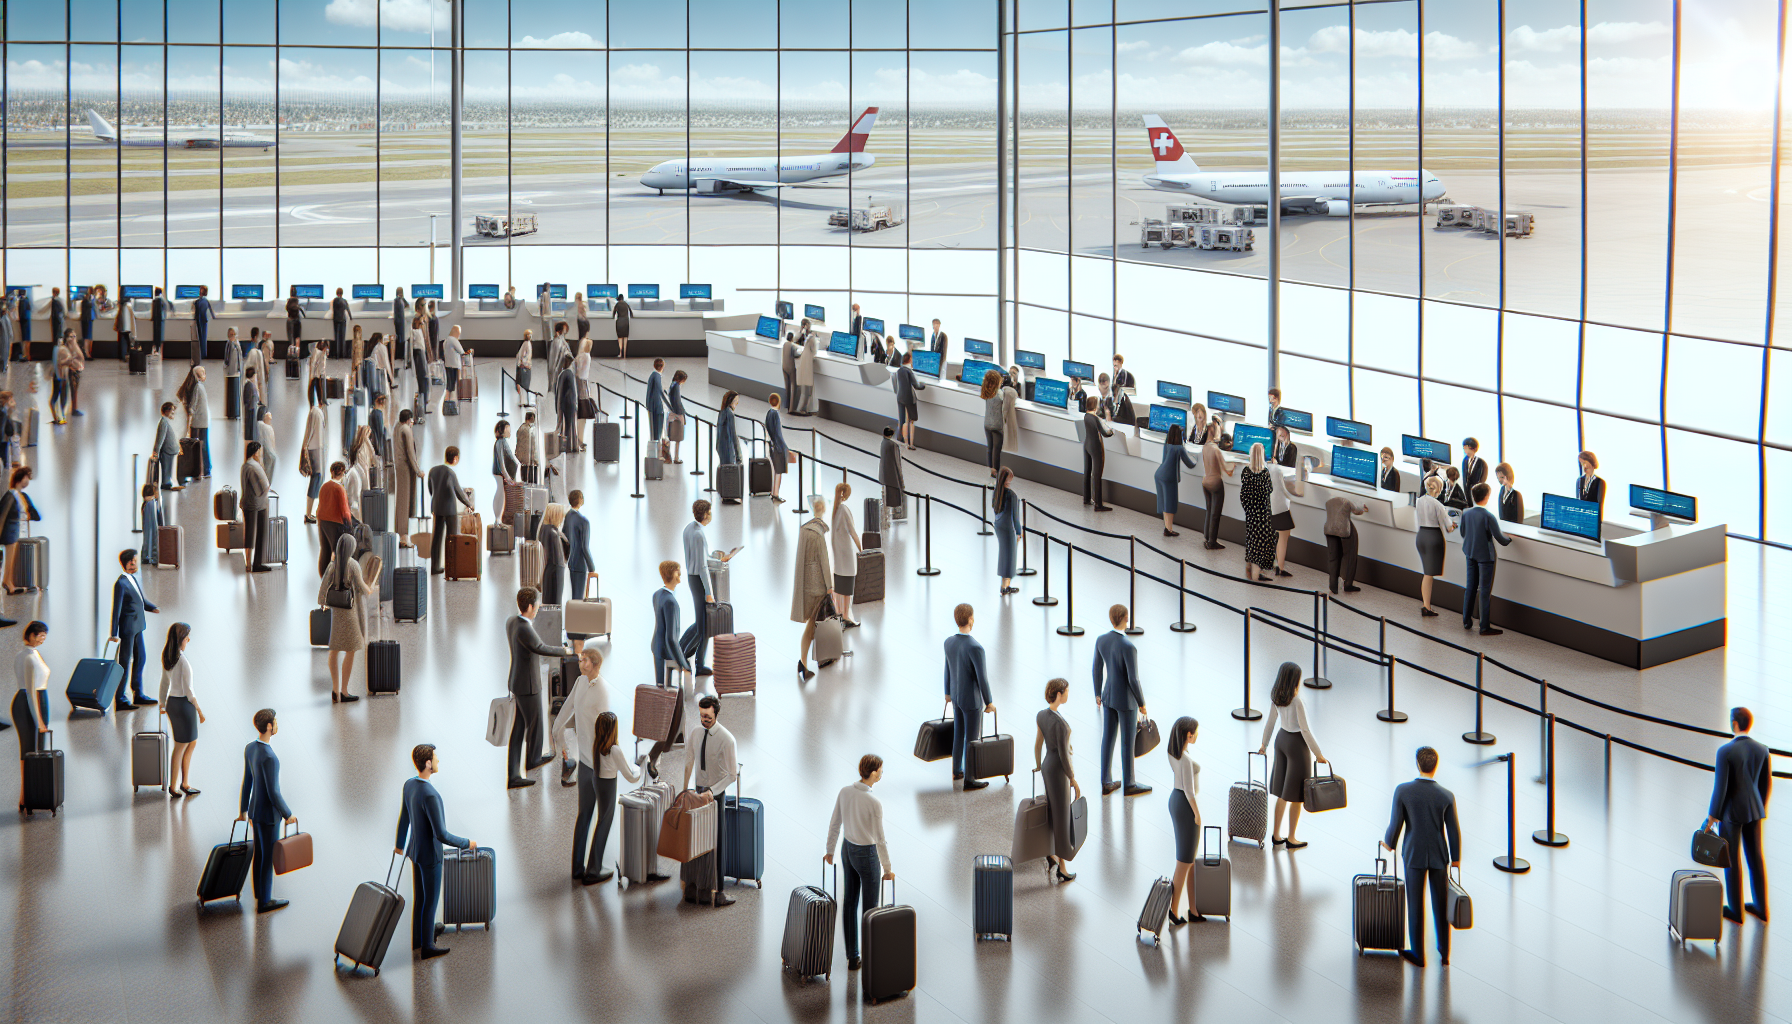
[
  {"x": 1511, "y": 863},
  {"x": 1247, "y": 713},
  {"x": 801, "y": 498},
  {"x": 710, "y": 483},
  {"x": 1318, "y": 682},
  {"x": 624, "y": 417},
  {"x": 1548, "y": 836},
  {"x": 638, "y": 492},
  {"x": 503, "y": 396},
  {"x": 927, "y": 542},
  {"x": 983, "y": 529},
  {"x": 1132, "y": 587},
  {"x": 1389, "y": 714},
  {"x": 1182, "y": 625},
  {"x": 1046, "y": 600},
  {"x": 1070, "y": 628},
  {"x": 697, "y": 450},
  {"x": 1025, "y": 569},
  {"x": 799, "y": 466},
  {"x": 136, "y": 488},
  {"x": 1545, "y": 764},
  {"x": 1478, "y": 737}
]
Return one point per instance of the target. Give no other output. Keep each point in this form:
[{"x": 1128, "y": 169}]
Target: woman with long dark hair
[
  {"x": 1185, "y": 814},
  {"x": 181, "y": 709},
  {"x": 993, "y": 420},
  {"x": 1296, "y": 749},
  {"x": 341, "y": 591},
  {"x": 1169, "y": 478},
  {"x": 1052, "y": 737},
  {"x": 31, "y": 705},
  {"x": 1006, "y": 505},
  {"x": 727, "y": 439}
]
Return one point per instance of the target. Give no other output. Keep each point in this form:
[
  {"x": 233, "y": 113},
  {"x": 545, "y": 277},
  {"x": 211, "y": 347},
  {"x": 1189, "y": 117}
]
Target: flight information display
[
  {"x": 973, "y": 370},
  {"x": 694, "y": 291},
  {"x": 928, "y": 363},
  {"x": 973, "y": 347},
  {"x": 1667, "y": 503},
  {"x": 1295, "y": 420},
  {"x": 815, "y": 313},
  {"x": 1163, "y": 417},
  {"x": 768, "y": 327},
  {"x": 1357, "y": 464},
  {"x": 909, "y": 332},
  {"x": 1231, "y": 405},
  {"x": 1171, "y": 392},
  {"x": 181, "y": 291},
  {"x": 1246, "y": 434},
  {"x": 303, "y": 291},
  {"x": 786, "y": 311},
  {"x": 484, "y": 291},
  {"x": 1348, "y": 430},
  {"x": 1029, "y": 360},
  {"x": 606, "y": 291},
  {"x": 368, "y": 291},
  {"x": 874, "y": 326},
  {"x": 1051, "y": 391},
  {"x": 1415, "y": 447},
  {"x": 558, "y": 291},
  {"x": 843, "y": 344},
  {"x": 245, "y": 292},
  {"x": 421, "y": 291},
  {"x": 1570, "y": 516},
  {"x": 1079, "y": 371},
  {"x": 636, "y": 291}
]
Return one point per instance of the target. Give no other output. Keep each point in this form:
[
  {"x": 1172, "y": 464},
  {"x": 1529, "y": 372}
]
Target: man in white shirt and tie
[
  {"x": 715, "y": 769},
  {"x": 867, "y": 855}
]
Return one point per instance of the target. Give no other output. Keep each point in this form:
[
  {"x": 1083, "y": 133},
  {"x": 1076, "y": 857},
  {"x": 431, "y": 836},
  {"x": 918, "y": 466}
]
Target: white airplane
[
  {"x": 175, "y": 138},
  {"x": 765, "y": 174},
  {"x": 1317, "y": 192}
]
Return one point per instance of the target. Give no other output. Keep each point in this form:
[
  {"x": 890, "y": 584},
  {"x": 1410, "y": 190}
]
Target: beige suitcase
[{"x": 533, "y": 562}]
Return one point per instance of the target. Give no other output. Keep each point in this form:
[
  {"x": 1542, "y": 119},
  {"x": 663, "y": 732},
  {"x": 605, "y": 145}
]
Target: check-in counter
[{"x": 1639, "y": 598}]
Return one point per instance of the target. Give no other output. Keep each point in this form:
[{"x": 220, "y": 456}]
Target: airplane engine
[{"x": 1337, "y": 208}]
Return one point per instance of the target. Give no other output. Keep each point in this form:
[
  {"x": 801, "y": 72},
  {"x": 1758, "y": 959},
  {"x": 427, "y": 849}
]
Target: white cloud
[
  {"x": 304, "y": 75},
  {"x": 1626, "y": 31},
  {"x": 574, "y": 40},
  {"x": 1224, "y": 54},
  {"x": 1135, "y": 46},
  {"x": 1440, "y": 46},
  {"x": 397, "y": 15},
  {"x": 1551, "y": 40},
  {"x": 1566, "y": 38}
]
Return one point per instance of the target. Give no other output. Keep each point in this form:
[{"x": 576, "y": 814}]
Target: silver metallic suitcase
[
  {"x": 469, "y": 887},
  {"x": 642, "y": 811},
  {"x": 149, "y": 759},
  {"x": 808, "y": 946},
  {"x": 1156, "y": 912},
  {"x": 371, "y": 919},
  {"x": 1212, "y": 877}
]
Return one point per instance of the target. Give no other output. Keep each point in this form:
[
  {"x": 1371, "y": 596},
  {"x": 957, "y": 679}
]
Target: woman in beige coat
[
  {"x": 525, "y": 363},
  {"x": 1010, "y": 418},
  {"x": 410, "y": 474},
  {"x": 346, "y": 635},
  {"x": 813, "y": 581},
  {"x": 528, "y": 458}
]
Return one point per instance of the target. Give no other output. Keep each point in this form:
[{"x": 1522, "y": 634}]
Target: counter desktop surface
[{"x": 1636, "y": 598}]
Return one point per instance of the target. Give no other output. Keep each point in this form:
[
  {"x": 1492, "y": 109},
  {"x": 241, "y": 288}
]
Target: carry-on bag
[
  {"x": 736, "y": 664},
  {"x": 384, "y": 666},
  {"x": 1032, "y": 823},
  {"x": 1247, "y": 805},
  {"x": 149, "y": 760},
  {"x": 889, "y": 950},
  {"x": 500, "y": 539},
  {"x": 1079, "y": 825},
  {"x": 641, "y": 811},
  {"x": 759, "y": 477},
  {"x": 1156, "y": 912},
  {"x": 170, "y": 542},
  {"x": 93, "y": 686},
  {"x": 233, "y": 398},
  {"x": 372, "y": 917},
  {"x": 190, "y": 465},
  {"x": 499, "y": 719},
  {"x": 469, "y": 887},
  {"x": 688, "y": 830},
  {"x": 549, "y": 627},
  {"x": 320, "y": 627},
  {"x": 292, "y": 850},
  {"x": 534, "y": 561},
  {"x": 43, "y": 779},
  {"x": 992, "y": 897},
  {"x": 588, "y": 617},
  {"x": 743, "y": 849},
  {"x": 1710, "y": 849},
  {"x": 1145, "y": 737},
  {"x": 33, "y": 570},
  {"x": 1212, "y": 877},
  {"x": 1459, "y": 906},
  {"x": 274, "y": 551},
  {"x": 227, "y": 868},
  {"x": 655, "y": 706},
  {"x": 376, "y": 509},
  {"x": 224, "y": 508},
  {"x": 868, "y": 586},
  {"x": 606, "y": 441},
  {"x": 721, "y": 620},
  {"x": 233, "y": 536},
  {"x": 728, "y": 483},
  {"x": 808, "y": 946},
  {"x": 1378, "y": 909},
  {"x": 410, "y": 593},
  {"x": 463, "y": 556},
  {"x": 874, "y": 515},
  {"x": 1695, "y": 906},
  {"x": 989, "y": 756},
  {"x": 830, "y": 640},
  {"x": 1324, "y": 792},
  {"x": 934, "y": 741},
  {"x": 653, "y": 469}
]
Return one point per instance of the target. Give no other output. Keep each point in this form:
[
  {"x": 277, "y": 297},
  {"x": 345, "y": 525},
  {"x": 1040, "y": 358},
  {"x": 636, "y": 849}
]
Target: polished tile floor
[{"x": 105, "y": 927}]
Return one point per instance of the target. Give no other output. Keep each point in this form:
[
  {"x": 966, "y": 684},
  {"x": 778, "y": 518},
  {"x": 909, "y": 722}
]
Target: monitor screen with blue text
[
  {"x": 1570, "y": 516},
  {"x": 1079, "y": 371},
  {"x": 768, "y": 327},
  {"x": 246, "y": 292},
  {"x": 874, "y": 326},
  {"x": 1163, "y": 417},
  {"x": 973, "y": 347},
  {"x": 1220, "y": 402},
  {"x": 694, "y": 291},
  {"x": 1358, "y": 464},
  {"x": 426, "y": 291},
  {"x": 603, "y": 291},
  {"x": 368, "y": 291},
  {"x": 303, "y": 291},
  {"x": 1051, "y": 391},
  {"x": 973, "y": 370},
  {"x": 1349, "y": 430},
  {"x": 812, "y": 312},
  {"x": 1667, "y": 503},
  {"x": 556, "y": 291},
  {"x": 841, "y": 343},
  {"x": 484, "y": 291},
  {"x": 928, "y": 363},
  {"x": 1172, "y": 392},
  {"x": 181, "y": 291},
  {"x": 1296, "y": 421},
  {"x": 1029, "y": 360},
  {"x": 1246, "y": 434},
  {"x": 909, "y": 332},
  {"x": 1414, "y": 447},
  {"x": 636, "y": 291}
]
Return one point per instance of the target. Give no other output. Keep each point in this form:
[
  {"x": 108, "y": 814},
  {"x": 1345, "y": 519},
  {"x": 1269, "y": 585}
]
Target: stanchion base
[
  {"x": 927, "y": 572},
  {"x": 1134, "y": 631},
  {"x": 986, "y": 532},
  {"x": 696, "y": 472},
  {"x": 1544, "y": 837},
  {"x": 1070, "y": 631},
  {"x": 1512, "y": 865},
  {"x": 1246, "y": 714},
  {"x": 1391, "y": 716},
  {"x": 799, "y": 511},
  {"x": 1478, "y": 738},
  {"x": 637, "y": 495},
  {"x": 1026, "y": 572},
  {"x": 1318, "y": 683},
  {"x": 503, "y": 415},
  {"x": 709, "y": 490},
  {"x": 1182, "y": 627},
  {"x": 1047, "y": 601}
]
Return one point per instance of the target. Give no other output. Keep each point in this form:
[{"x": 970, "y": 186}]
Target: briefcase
[
  {"x": 1460, "y": 909},
  {"x": 1323, "y": 792},
  {"x": 934, "y": 743},
  {"x": 1710, "y": 849},
  {"x": 989, "y": 756},
  {"x": 1145, "y": 739},
  {"x": 292, "y": 851}
]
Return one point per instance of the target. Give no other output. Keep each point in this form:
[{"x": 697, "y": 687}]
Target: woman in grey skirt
[
  {"x": 181, "y": 707},
  {"x": 1295, "y": 751},
  {"x": 1052, "y": 739},
  {"x": 1433, "y": 521}
]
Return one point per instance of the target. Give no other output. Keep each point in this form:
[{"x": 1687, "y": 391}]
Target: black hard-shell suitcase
[
  {"x": 371, "y": 919},
  {"x": 808, "y": 947},
  {"x": 469, "y": 887},
  {"x": 759, "y": 477},
  {"x": 992, "y": 897},
  {"x": 1378, "y": 909},
  {"x": 227, "y": 868},
  {"x": 292, "y": 369},
  {"x": 43, "y": 779},
  {"x": 233, "y": 398},
  {"x": 410, "y": 598},
  {"x": 139, "y": 359},
  {"x": 889, "y": 953},
  {"x": 989, "y": 756},
  {"x": 320, "y": 627},
  {"x": 868, "y": 585},
  {"x": 189, "y": 465},
  {"x": 606, "y": 441},
  {"x": 375, "y": 509},
  {"x": 384, "y": 666},
  {"x": 728, "y": 482}
]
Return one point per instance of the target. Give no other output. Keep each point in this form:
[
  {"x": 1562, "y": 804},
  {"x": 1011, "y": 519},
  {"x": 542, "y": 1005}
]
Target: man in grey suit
[
  {"x": 263, "y": 807},
  {"x": 908, "y": 410},
  {"x": 254, "y": 487},
  {"x": 1480, "y": 529},
  {"x": 339, "y": 318},
  {"x": 445, "y": 494},
  {"x": 1744, "y": 781},
  {"x": 526, "y": 647},
  {"x": 967, "y": 691},
  {"x": 787, "y": 362},
  {"x": 695, "y": 640},
  {"x": 202, "y": 318},
  {"x": 1426, "y": 811},
  {"x": 1121, "y": 699},
  {"x": 167, "y": 448}
]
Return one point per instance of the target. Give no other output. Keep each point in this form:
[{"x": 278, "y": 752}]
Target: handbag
[
  {"x": 292, "y": 851},
  {"x": 1145, "y": 739},
  {"x": 499, "y": 719},
  {"x": 790, "y": 458},
  {"x": 675, "y": 428},
  {"x": 339, "y": 597},
  {"x": 1459, "y": 907},
  {"x": 1324, "y": 792},
  {"x": 1710, "y": 849}
]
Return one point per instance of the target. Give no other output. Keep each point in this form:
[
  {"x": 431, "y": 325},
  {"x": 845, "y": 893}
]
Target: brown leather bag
[
  {"x": 292, "y": 852},
  {"x": 688, "y": 830}
]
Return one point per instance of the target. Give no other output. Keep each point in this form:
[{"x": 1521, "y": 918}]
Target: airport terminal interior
[{"x": 1266, "y": 278}]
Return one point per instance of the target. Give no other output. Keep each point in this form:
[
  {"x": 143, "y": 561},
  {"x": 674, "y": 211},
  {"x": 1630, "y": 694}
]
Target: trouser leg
[
  {"x": 204, "y": 436},
  {"x": 1415, "y": 912},
  {"x": 258, "y": 521},
  {"x": 138, "y": 654},
  {"x": 1487, "y": 570},
  {"x": 1334, "y": 560},
  {"x": 606, "y": 817},
  {"x": 1471, "y": 590},
  {"x": 1350, "y": 550},
  {"x": 438, "y": 537},
  {"x": 266, "y": 834},
  {"x": 1440, "y": 909},
  {"x": 168, "y": 478},
  {"x": 426, "y": 888},
  {"x": 581, "y": 851},
  {"x": 961, "y": 724},
  {"x": 699, "y": 622}
]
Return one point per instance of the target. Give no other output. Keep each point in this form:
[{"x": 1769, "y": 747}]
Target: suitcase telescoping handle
[
  {"x": 231, "y": 836},
  {"x": 1247, "y": 766},
  {"x": 1214, "y": 860},
  {"x": 1386, "y": 866},
  {"x": 390, "y": 881}
]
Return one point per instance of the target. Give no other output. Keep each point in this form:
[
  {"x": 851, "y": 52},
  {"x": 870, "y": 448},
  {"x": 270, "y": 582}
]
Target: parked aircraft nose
[{"x": 658, "y": 177}]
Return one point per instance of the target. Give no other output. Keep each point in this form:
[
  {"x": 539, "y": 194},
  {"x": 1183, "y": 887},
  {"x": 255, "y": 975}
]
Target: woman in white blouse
[
  {"x": 31, "y": 707},
  {"x": 581, "y": 376},
  {"x": 525, "y": 363},
  {"x": 1433, "y": 521},
  {"x": 1185, "y": 814},
  {"x": 1281, "y": 514},
  {"x": 311, "y": 458},
  {"x": 181, "y": 708},
  {"x": 843, "y": 537},
  {"x": 1296, "y": 749},
  {"x": 601, "y": 758}
]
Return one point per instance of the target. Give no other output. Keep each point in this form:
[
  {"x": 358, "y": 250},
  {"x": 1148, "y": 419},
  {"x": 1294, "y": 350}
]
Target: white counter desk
[{"x": 1637, "y": 598}]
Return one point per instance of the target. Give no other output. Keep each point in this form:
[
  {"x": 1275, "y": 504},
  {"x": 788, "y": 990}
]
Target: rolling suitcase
[
  {"x": 728, "y": 482},
  {"x": 149, "y": 760},
  {"x": 1377, "y": 910},
  {"x": 385, "y": 545},
  {"x": 606, "y": 441},
  {"x": 292, "y": 368},
  {"x": 375, "y": 509},
  {"x": 170, "y": 542},
  {"x": 93, "y": 686},
  {"x": 224, "y": 507},
  {"x": 992, "y": 897},
  {"x": 189, "y": 464},
  {"x": 1156, "y": 912},
  {"x": 1247, "y": 805},
  {"x": 550, "y": 624},
  {"x": 463, "y": 556},
  {"x": 525, "y": 525},
  {"x": 464, "y": 388},
  {"x": 410, "y": 594},
  {"x": 874, "y": 516},
  {"x": 33, "y": 570},
  {"x": 718, "y": 579},
  {"x": 371, "y": 919},
  {"x": 533, "y": 562},
  {"x": 830, "y": 640},
  {"x": 233, "y": 398},
  {"x": 226, "y": 868},
  {"x": 43, "y": 780},
  {"x": 934, "y": 741},
  {"x": 869, "y": 584},
  {"x": 653, "y": 469},
  {"x": 721, "y": 619},
  {"x": 469, "y": 887},
  {"x": 139, "y": 360},
  {"x": 736, "y": 664},
  {"x": 1695, "y": 906},
  {"x": 384, "y": 666},
  {"x": 743, "y": 849},
  {"x": 535, "y": 502},
  {"x": 588, "y": 617},
  {"x": 1213, "y": 878},
  {"x": 989, "y": 756},
  {"x": 641, "y": 811},
  {"x": 1032, "y": 824},
  {"x": 500, "y": 539},
  {"x": 275, "y": 551},
  {"x": 233, "y": 536},
  {"x": 759, "y": 477},
  {"x": 450, "y": 407},
  {"x": 808, "y": 946},
  {"x": 1458, "y": 906},
  {"x": 889, "y": 953},
  {"x": 655, "y": 706},
  {"x": 320, "y": 627},
  {"x": 333, "y": 388}
]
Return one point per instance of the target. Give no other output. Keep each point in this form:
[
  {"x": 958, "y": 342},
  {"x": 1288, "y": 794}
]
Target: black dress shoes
[
  {"x": 1137, "y": 790},
  {"x": 724, "y": 901},
  {"x": 1412, "y": 958},
  {"x": 267, "y": 905},
  {"x": 975, "y": 784},
  {"x": 520, "y": 783},
  {"x": 431, "y": 952},
  {"x": 598, "y": 877},
  {"x": 1757, "y": 910},
  {"x": 1109, "y": 787}
]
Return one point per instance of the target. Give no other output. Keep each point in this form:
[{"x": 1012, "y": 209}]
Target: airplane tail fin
[
  {"x": 101, "y": 130},
  {"x": 1165, "y": 147},
  {"x": 854, "y": 139}
]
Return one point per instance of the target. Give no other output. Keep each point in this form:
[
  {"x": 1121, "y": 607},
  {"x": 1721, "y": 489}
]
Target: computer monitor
[
  {"x": 1171, "y": 392},
  {"x": 1296, "y": 421},
  {"x": 429, "y": 291},
  {"x": 484, "y": 291},
  {"x": 367, "y": 291},
  {"x": 79, "y": 291},
  {"x": 814, "y": 312},
  {"x": 1079, "y": 371},
  {"x": 694, "y": 291},
  {"x": 148, "y": 291},
  {"x": 842, "y": 343},
  {"x": 606, "y": 291},
  {"x": 1029, "y": 360},
  {"x": 1229, "y": 405},
  {"x": 246, "y": 292},
  {"x": 1656, "y": 501},
  {"x": 973, "y": 370},
  {"x": 303, "y": 291},
  {"x": 768, "y": 327},
  {"x": 1571, "y": 516},
  {"x": 1358, "y": 464},
  {"x": 873, "y": 325},
  {"x": 786, "y": 311},
  {"x": 973, "y": 347},
  {"x": 928, "y": 363},
  {"x": 1163, "y": 417},
  {"x": 1051, "y": 391},
  {"x": 909, "y": 332},
  {"x": 1414, "y": 447},
  {"x": 1246, "y": 434},
  {"x": 556, "y": 291},
  {"x": 181, "y": 291},
  {"x": 1348, "y": 430},
  {"x": 642, "y": 291}
]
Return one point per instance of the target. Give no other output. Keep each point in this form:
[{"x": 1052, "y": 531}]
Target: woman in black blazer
[
  {"x": 1511, "y": 501},
  {"x": 1590, "y": 486},
  {"x": 1390, "y": 473},
  {"x": 1053, "y": 737},
  {"x": 555, "y": 549}
]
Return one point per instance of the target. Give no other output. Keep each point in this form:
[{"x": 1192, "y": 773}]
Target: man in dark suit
[
  {"x": 577, "y": 530},
  {"x": 167, "y": 449},
  {"x": 1738, "y": 805},
  {"x": 263, "y": 807},
  {"x": 656, "y": 402},
  {"x": 908, "y": 409},
  {"x": 967, "y": 691},
  {"x": 566, "y": 406},
  {"x": 339, "y": 324},
  {"x": 59, "y": 314},
  {"x": 938, "y": 341},
  {"x": 1426, "y": 811},
  {"x": 202, "y": 319},
  {"x": 1120, "y": 698},
  {"x": 526, "y": 647},
  {"x": 445, "y": 494},
  {"x": 1479, "y": 532},
  {"x": 128, "y": 606},
  {"x": 1474, "y": 467},
  {"x": 1095, "y": 455},
  {"x": 399, "y": 320},
  {"x": 158, "y": 316},
  {"x": 422, "y": 832}
]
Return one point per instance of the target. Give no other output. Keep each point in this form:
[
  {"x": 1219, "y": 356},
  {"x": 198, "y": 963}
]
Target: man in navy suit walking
[
  {"x": 128, "y": 606},
  {"x": 263, "y": 806},
  {"x": 967, "y": 691},
  {"x": 1121, "y": 699},
  {"x": 421, "y": 835},
  {"x": 1480, "y": 529},
  {"x": 1738, "y": 805},
  {"x": 1426, "y": 812}
]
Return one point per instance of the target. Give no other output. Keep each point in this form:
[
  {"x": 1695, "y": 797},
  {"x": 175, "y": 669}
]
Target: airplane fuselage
[
  {"x": 1369, "y": 188},
  {"x": 679, "y": 174},
  {"x": 178, "y": 141}
]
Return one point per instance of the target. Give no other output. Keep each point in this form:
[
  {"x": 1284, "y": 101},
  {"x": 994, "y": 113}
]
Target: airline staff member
[
  {"x": 1590, "y": 486},
  {"x": 1511, "y": 501},
  {"x": 1275, "y": 407},
  {"x": 938, "y": 341},
  {"x": 1390, "y": 473},
  {"x": 1474, "y": 468},
  {"x": 1286, "y": 453}
]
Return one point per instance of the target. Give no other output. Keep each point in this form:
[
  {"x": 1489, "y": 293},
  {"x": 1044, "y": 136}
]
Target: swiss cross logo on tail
[{"x": 1164, "y": 145}]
